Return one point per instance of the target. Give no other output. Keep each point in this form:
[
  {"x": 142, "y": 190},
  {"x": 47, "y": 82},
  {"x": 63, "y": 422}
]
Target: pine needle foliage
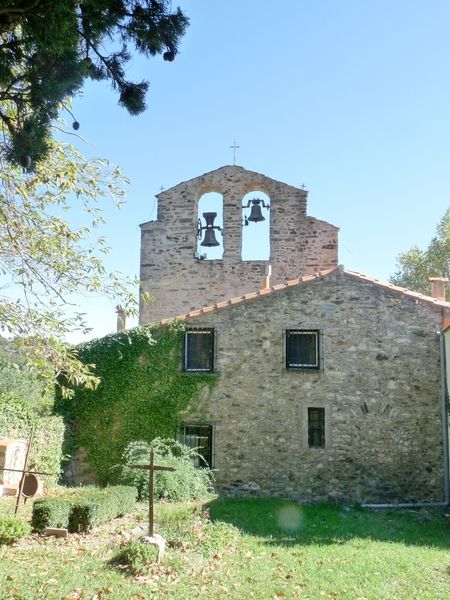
[{"x": 48, "y": 48}]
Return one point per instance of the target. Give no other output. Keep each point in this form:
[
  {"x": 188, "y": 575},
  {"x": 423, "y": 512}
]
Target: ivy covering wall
[
  {"x": 24, "y": 406},
  {"x": 143, "y": 394}
]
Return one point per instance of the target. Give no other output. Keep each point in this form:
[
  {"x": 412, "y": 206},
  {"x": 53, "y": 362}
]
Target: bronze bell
[
  {"x": 255, "y": 212},
  {"x": 210, "y": 237}
]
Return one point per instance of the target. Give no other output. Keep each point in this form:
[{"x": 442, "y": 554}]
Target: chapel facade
[
  {"x": 177, "y": 277},
  {"x": 329, "y": 384}
]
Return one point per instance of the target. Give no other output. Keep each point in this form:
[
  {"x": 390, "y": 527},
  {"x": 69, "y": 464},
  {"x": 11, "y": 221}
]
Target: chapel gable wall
[
  {"x": 379, "y": 383},
  {"x": 179, "y": 282}
]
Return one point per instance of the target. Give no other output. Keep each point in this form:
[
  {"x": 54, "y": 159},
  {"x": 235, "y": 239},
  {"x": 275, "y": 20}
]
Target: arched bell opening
[
  {"x": 209, "y": 227},
  {"x": 255, "y": 226}
]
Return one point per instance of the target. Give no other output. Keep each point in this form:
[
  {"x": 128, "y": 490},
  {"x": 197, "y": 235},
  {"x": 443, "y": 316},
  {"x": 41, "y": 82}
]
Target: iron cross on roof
[
  {"x": 234, "y": 148},
  {"x": 151, "y": 470}
]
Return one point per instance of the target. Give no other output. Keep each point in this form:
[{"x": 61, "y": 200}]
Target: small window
[
  {"x": 302, "y": 349},
  {"x": 198, "y": 350},
  {"x": 199, "y": 437},
  {"x": 316, "y": 427}
]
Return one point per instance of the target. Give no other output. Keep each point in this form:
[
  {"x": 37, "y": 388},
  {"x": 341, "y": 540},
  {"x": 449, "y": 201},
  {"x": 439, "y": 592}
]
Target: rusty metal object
[
  {"x": 30, "y": 485},
  {"x": 151, "y": 470},
  {"x": 25, "y": 471}
]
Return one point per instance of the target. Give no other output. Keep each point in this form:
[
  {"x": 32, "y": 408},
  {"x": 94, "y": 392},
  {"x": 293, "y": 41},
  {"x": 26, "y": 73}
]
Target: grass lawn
[{"x": 240, "y": 549}]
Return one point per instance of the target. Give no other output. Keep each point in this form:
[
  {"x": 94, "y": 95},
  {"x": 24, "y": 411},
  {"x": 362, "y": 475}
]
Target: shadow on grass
[{"x": 285, "y": 523}]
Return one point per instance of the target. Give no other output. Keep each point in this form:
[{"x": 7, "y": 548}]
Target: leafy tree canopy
[
  {"x": 415, "y": 266},
  {"x": 44, "y": 261},
  {"x": 18, "y": 381},
  {"x": 49, "y": 47}
]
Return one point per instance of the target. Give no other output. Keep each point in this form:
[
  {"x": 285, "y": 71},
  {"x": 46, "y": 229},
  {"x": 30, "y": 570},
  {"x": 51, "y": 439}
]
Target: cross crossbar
[
  {"x": 234, "y": 148},
  {"x": 151, "y": 468},
  {"x": 155, "y": 467},
  {"x": 26, "y": 471}
]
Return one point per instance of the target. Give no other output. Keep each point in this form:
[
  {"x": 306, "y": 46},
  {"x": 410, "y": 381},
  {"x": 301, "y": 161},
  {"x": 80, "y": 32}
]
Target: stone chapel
[{"x": 330, "y": 384}]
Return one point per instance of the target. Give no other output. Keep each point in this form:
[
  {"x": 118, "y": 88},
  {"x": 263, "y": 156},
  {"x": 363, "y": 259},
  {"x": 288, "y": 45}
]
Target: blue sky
[{"x": 350, "y": 98}]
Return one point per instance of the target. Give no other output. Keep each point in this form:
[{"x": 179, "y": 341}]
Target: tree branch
[{"x": 20, "y": 10}]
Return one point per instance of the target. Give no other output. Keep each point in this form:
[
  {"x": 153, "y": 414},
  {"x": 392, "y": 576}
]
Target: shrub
[
  {"x": 137, "y": 557},
  {"x": 101, "y": 506},
  {"x": 50, "y": 512},
  {"x": 82, "y": 509},
  {"x": 185, "y": 483},
  {"x": 12, "y": 529}
]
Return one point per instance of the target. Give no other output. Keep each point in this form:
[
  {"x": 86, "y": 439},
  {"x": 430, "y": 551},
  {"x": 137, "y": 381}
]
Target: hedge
[{"x": 81, "y": 509}]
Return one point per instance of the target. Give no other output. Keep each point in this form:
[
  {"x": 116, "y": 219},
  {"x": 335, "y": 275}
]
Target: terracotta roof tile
[
  {"x": 305, "y": 279},
  {"x": 396, "y": 288},
  {"x": 265, "y": 291},
  {"x": 222, "y": 304},
  {"x": 208, "y": 309}
]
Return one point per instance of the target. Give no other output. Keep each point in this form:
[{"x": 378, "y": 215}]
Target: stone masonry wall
[
  {"x": 379, "y": 386},
  {"x": 179, "y": 282}
]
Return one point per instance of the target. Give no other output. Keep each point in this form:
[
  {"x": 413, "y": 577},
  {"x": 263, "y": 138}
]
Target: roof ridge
[
  {"x": 397, "y": 288},
  {"x": 306, "y": 279}
]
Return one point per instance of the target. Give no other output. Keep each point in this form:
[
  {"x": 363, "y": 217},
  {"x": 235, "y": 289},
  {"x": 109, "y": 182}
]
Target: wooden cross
[
  {"x": 151, "y": 470},
  {"x": 234, "y": 148},
  {"x": 24, "y": 472}
]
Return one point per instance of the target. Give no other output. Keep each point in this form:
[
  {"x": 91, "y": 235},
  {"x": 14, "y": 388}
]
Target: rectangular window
[
  {"x": 199, "y": 437},
  {"x": 316, "y": 427},
  {"x": 199, "y": 350},
  {"x": 302, "y": 349}
]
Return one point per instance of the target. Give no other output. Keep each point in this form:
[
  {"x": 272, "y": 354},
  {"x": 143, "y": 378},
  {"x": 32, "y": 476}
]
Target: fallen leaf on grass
[
  {"x": 104, "y": 592},
  {"x": 76, "y": 594}
]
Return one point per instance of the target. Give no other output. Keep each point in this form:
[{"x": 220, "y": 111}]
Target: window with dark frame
[
  {"x": 199, "y": 438},
  {"x": 316, "y": 427},
  {"x": 302, "y": 349},
  {"x": 199, "y": 350}
]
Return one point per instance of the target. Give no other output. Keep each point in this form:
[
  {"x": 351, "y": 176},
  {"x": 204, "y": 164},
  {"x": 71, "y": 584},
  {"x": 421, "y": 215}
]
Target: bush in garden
[
  {"x": 101, "y": 506},
  {"x": 81, "y": 509},
  {"x": 135, "y": 453},
  {"x": 12, "y": 529},
  {"x": 50, "y": 512},
  {"x": 185, "y": 483},
  {"x": 137, "y": 557}
]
